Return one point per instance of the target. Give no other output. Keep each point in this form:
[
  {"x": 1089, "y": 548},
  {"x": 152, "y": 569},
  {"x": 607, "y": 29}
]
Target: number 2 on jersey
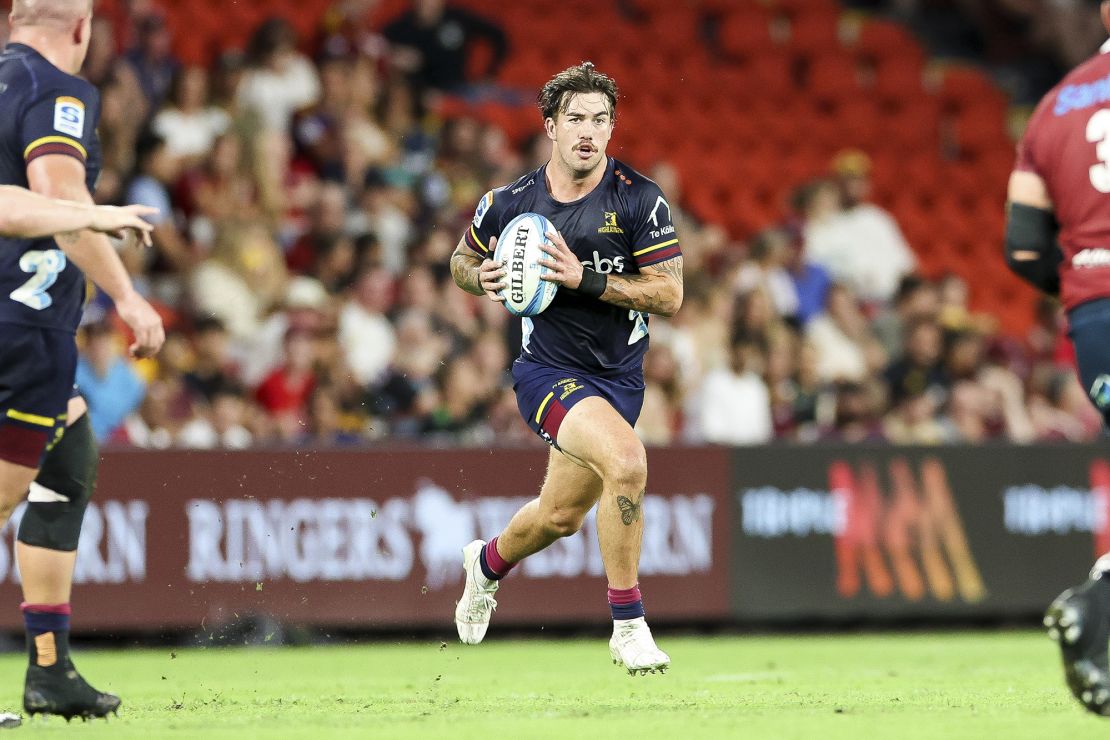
[
  {"x": 45, "y": 266},
  {"x": 1098, "y": 133}
]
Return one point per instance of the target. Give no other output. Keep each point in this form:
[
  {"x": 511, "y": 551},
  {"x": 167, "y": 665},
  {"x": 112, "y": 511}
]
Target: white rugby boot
[
  {"x": 633, "y": 648},
  {"x": 474, "y": 609}
]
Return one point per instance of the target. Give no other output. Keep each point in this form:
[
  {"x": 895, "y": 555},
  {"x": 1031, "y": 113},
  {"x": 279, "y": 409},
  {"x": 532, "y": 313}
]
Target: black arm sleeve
[{"x": 1030, "y": 229}]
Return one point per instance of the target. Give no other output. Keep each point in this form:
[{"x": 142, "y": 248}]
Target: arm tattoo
[
  {"x": 671, "y": 268},
  {"x": 657, "y": 289},
  {"x": 464, "y": 268},
  {"x": 630, "y": 512},
  {"x": 67, "y": 238}
]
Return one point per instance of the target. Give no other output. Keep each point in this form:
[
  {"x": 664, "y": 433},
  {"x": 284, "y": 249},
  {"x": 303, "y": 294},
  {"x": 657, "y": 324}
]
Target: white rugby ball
[{"x": 519, "y": 247}]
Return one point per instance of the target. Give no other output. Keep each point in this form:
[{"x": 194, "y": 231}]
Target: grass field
[{"x": 955, "y": 685}]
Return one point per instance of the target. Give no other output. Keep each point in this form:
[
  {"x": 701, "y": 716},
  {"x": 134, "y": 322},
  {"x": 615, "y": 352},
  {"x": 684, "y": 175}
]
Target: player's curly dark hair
[{"x": 581, "y": 78}]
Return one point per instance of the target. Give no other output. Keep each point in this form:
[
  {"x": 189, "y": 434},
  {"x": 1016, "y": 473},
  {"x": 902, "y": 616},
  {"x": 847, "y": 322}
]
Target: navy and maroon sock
[
  {"x": 626, "y": 603},
  {"x": 494, "y": 567},
  {"x": 47, "y": 633}
]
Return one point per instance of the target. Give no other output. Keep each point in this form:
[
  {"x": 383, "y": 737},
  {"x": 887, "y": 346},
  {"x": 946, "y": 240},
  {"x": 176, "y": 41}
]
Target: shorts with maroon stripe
[
  {"x": 37, "y": 368},
  {"x": 545, "y": 395}
]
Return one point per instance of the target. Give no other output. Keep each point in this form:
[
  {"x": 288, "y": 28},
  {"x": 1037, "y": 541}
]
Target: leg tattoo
[{"x": 630, "y": 511}]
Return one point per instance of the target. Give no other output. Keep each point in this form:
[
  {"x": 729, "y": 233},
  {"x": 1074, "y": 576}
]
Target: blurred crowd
[
  {"x": 310, "y": 199},
  {"x": 1028, "y": 44}
]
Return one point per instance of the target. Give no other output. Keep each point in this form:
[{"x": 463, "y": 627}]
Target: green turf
[{"x": 965, "y": 685}]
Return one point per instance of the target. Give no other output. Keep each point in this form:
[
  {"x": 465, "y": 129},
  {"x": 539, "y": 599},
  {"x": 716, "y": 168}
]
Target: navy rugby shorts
[
  {"x": 1088, "y": 327},
  {"x": 546, "y": 394},
  {"x": 37, "y": 369}
]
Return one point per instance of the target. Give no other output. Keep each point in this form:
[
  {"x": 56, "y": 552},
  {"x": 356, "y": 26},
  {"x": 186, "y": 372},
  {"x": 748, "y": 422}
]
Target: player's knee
[
  {"x": 61, "y": 492},
  {"x": 565, "y": 522},
  {"x": 626, "y": 466}
]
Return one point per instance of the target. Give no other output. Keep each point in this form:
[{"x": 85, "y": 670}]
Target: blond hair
[{"x": 44, "y": 12}]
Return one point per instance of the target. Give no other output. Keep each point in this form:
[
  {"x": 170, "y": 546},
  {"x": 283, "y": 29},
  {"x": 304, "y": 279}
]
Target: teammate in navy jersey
[
  {"x": 1058, "y": 238},
  {"x": 579, "y": 379},
  {"x": 48, "y": 143}
]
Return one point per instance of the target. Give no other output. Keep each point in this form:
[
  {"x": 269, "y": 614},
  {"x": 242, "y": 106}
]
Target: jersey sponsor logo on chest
[
  {"x": 604, "y": 265},
  {"x": 610, "y": 226},
  {"x": 69, "y": 117}
]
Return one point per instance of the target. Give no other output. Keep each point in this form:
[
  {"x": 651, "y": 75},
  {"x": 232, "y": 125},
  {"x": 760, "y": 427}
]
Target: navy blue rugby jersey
[
  {"x": 621, "y": 226},
  {"x": 44, "y": 111}
]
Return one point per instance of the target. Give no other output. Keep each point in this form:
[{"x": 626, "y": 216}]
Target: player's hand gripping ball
[{"x": 518, "y": 248}]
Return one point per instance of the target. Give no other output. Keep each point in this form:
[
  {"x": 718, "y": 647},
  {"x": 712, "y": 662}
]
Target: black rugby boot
[
  {"x": 53, "y": 685},
  {"x": 1079, "y": 620}
]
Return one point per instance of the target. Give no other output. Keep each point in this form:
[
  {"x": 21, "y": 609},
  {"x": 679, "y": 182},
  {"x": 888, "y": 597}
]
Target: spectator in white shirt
[
  {"x": 365, "y": 331},
  {"x": 841, "y": 338},
  {"x": 883, "y": 257},
  {"x": 279, "y": 81},
  {"x": 733, "y": 406},
  {"x": 857, "y": 242},
  {"x": 188, "y": 123}
]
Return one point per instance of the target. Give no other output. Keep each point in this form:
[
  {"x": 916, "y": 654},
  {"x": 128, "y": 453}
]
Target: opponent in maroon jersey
[{"x": 1058, "y": 238}]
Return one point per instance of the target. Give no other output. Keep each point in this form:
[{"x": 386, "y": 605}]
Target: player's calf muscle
[{"x": 563, "y": 522}]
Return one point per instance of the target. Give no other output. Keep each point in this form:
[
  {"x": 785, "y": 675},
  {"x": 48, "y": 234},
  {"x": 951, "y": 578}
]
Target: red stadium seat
[
  {"x": 796, "y": 8},
  {"x": 815, "y": 32},
  {"x": 833, "y": 75},
  {"x": 915, "y": 127},
  {"x": 923, "y": 174},
  {"x": 733, "y": 84},
  {"x": 963, "y": 87},
  {"x": 673, "y": 27},
  {"x": 786, "y": 124},
  {"x": 979, "y": 130},
  {"x": 963, "y": 179},
  {"x": 898, "y": 79},
  {"x": 859, "y": 122},
  {"x": 529, "y": 68},
  {"x": 706, "y": 202},
  {"x": 192, "y": 50},
  {"x": 773, "y": 75},
  {"x": 517, "y": 123},
  {"x": 882, "y": 41},
  {"x": 746, "y": 32}
]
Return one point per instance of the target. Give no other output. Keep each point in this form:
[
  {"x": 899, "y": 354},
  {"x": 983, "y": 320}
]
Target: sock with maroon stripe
[
  {"x": 47, "y": 633},
  {"x": 494, "y": 567},
  {"x": 626, "y": 603}
]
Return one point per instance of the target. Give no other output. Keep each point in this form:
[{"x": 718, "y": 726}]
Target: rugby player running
[
  {"x": 579, "y": 379},
  {"x": 1058, "y": 239},
  {"x": 48, "y": 143}
]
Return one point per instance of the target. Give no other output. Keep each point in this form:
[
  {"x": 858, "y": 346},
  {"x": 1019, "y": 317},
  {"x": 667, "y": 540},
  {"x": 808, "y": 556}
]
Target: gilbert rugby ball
[{"x": 519, "y": 246}]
